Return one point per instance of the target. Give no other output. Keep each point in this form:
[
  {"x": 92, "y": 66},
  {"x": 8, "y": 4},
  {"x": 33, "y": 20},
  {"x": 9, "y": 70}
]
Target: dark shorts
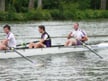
[
  {"x": 47, "y": 45},
  {"x": 78, "y": 42}
]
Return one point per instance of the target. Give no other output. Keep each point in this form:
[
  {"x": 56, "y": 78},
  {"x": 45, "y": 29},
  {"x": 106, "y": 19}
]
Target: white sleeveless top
[
  {"x": 78, "y": 34},
  {"x": 12, "y": 40}
]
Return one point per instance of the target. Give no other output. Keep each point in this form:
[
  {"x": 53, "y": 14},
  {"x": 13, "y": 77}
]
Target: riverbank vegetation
[{"x": 24, "y": 10}]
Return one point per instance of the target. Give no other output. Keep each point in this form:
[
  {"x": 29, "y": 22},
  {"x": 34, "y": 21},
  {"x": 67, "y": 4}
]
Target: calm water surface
[{"x": 78, "y": 66}]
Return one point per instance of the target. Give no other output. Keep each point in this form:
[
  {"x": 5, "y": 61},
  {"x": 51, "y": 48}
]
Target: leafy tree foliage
[
  {"x": 22, "y": 5},
  {"x": 52, "y": 10}
]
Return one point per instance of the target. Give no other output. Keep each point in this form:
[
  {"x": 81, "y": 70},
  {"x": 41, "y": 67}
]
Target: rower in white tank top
[
  {"x": 12, "y": 40},
  {"x": 78, "y": 34}
]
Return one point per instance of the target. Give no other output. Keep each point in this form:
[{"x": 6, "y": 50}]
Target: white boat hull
[{"x": 45, "y": 51}]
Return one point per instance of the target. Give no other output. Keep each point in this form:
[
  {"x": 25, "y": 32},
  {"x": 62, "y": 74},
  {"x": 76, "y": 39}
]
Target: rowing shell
[{"x": 52, "y": 50}]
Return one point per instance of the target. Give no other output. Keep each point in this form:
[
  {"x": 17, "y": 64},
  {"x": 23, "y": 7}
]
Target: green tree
[
  {"x": 103, "y": 4},
  {"x": 2, "y": 5},
  {"x": 52, "y": 4},
  {"x": 17, "y": 5},
  {"x": 31, "y": 4},
  {"x": 39, "y": 4}
]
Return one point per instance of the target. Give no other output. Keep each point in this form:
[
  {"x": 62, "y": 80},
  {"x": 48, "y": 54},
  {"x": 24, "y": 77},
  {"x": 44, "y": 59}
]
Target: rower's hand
[{"x": 70, "y": 35}]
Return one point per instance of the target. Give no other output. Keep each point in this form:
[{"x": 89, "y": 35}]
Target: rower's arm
[
  {"x": 8, "y": 39},
  {"x": 42, "y": 40},
  {"x": 85, "y": 38},
  {"x": 5, "y": 42},
  {"x": 45, "y": 38},
  {"x": 69, "y": 36}
]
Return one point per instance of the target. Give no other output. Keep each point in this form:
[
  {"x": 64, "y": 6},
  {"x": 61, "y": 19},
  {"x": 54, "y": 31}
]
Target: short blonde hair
[{"x": 77, "y": 23}]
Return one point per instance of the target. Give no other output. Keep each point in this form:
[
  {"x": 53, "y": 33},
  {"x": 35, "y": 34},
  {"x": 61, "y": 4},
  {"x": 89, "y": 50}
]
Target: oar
[
  {"x": 24, "y": 44},
  {"x": 25, "y": 57},
  {"x": 84, "y": 44}
]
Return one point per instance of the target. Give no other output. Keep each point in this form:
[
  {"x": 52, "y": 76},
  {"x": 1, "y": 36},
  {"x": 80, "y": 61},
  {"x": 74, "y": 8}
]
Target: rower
[
  {"x": 78, "y": 35},
  {"x": 10, "y": 41},
  {"x": 45, "y": 39}
]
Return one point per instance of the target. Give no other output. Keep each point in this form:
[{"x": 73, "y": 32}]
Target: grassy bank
[{"x": 54, "y": 14}]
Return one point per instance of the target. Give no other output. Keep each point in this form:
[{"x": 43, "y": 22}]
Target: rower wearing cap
[
  {"x": 10, "y": 41},
  {"x": 45, "y": 39},
  {"x": 78, "y": 36}
]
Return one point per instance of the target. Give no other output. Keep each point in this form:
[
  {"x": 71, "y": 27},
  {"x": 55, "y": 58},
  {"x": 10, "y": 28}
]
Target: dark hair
[
  {"x": 7, "y": 26},
  {"x": 42, "y": 27}
]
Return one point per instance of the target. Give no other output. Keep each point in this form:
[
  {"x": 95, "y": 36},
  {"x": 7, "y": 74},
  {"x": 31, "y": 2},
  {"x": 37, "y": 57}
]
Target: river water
[{"x": 84, "y": 66}]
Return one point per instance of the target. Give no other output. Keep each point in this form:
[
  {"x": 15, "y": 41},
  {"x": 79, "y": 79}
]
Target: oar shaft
[
  {"x": 24, "y": 44},
  {"x": 93, "y": 51},
  {"x": 84, "y": 44},
  {"x": 24, "y": 56}
]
